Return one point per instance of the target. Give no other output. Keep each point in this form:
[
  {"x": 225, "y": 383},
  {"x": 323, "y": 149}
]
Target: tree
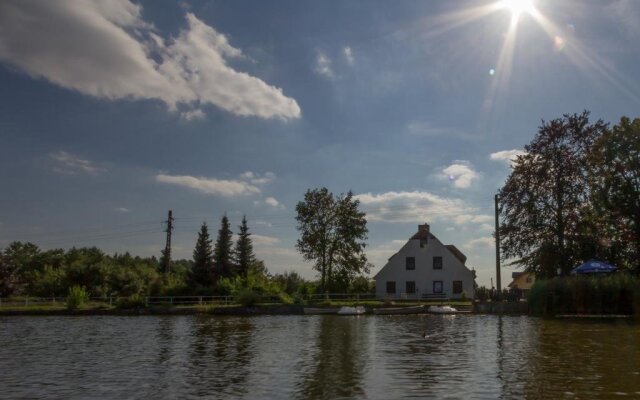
[
  {"x": 333, "y": 232},
  {"x": 202, "y": 268},
  {"x": 615, "y": 182},
  {"x": 244, "y": 255},
  {"x": 222, "y": 253},
  {"x": 545, "y": 200}
]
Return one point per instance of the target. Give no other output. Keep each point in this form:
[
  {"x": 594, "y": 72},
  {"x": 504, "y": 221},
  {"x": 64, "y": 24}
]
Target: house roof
[{"x": 457, "y": 253}]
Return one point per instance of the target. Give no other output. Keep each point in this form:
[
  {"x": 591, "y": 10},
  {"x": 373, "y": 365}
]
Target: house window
[
  {"x": 457, "y": 287},
  {"x": 529, "y": 279},
  {"x": 391, "y": 287},
  {"x": 410, "y": 287},
  {"x": 437, "y": 262},
  {"x": 411, "y": 263},
  {"x": 437, "y": 286}
]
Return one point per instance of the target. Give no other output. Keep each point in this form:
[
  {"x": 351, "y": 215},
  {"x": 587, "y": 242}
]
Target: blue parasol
[{"x": 593, "y": 267}]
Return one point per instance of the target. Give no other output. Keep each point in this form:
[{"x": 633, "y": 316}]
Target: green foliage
[
  {"x": 613, "y": 294},
  {"x": 482, "y": 293},
  {"x": 243, "y": 252},
  {"x": 543, "y": 201},
  {"x": 247, "y": 297},
  {"x": 76, "y": 298},
  {"x": 362, "y": 284},
  {"x": 614, "y": 167},
  {"x": 201, "y": 273},
  {"x": 133, "y": 301},
  {"x": 464, "y": 296},
  {"x": 222, "y": 253},
  {"x": 333, "y": 231}
]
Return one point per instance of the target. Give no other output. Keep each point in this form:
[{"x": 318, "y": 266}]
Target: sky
[{"x": 114, "y": 112}]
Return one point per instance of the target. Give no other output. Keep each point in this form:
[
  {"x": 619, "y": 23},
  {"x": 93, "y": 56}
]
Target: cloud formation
[
  {"x": 348, "y": 55},
  {"x": 509, "y": 156},
  {"x": 461, "y": 174},
  {"x": 323, "y": 65},
  {"x": 247, "y": 184},
  {"x": 69, "y": 164},
  {"x": 486, "y": 242},
  {"x": 414, "y": 207},
  {"x": 106, "y": 50},
  {"x": 273, "y": 202}
]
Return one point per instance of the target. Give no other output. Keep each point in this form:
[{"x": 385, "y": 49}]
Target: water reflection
[
  {"x": 317, "y": 357},
  {"x": 220, "y": 356},
  {"x": 339, "y": 360}
]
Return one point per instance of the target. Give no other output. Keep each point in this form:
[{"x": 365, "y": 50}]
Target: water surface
[{"x": 317, "y": 357}]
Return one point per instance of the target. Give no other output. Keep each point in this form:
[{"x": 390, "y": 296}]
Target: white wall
[{"x": 424, "y": 275}]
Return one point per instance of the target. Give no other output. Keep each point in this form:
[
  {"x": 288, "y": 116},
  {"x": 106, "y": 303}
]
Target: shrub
[
  {"x": 464, "y": 296},
  {"x": 247, "y": 297},
  {"x": 133, "y": 301},
  {"x": 77, "y": 297}
]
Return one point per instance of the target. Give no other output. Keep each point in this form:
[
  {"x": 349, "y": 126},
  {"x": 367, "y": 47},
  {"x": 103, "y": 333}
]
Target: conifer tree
[
  {"x": 202, "y": 269},
  {"x": 244, "y": 255},
  {"x": 222, "y": 253}
]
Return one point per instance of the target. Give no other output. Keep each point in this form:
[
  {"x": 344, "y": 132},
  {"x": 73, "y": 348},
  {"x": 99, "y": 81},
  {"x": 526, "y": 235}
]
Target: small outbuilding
[{"x": 425, "y": 268}]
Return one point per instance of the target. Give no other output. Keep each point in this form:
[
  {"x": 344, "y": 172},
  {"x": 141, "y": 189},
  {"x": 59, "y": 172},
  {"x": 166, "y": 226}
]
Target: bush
[
  {"x": 133, "y": 301},
  {"x": 612, "y": 294},
  {"x": 77, "y": 297},
  {"x": 247, "y": 297}
]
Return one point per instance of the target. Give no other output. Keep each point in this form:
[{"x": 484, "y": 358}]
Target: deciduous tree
[{"x": 333, "y": 232}]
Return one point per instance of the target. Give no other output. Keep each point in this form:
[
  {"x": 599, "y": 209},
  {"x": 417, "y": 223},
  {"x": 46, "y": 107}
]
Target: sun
[{"x": 518, "y": 7}]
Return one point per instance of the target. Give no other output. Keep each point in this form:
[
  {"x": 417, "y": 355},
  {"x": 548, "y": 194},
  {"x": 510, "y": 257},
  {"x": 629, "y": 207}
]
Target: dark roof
[
  {"x": 457, "y": 253},
  {"x": 422, "y": 235},
  {"x": 514, "y": 275}
]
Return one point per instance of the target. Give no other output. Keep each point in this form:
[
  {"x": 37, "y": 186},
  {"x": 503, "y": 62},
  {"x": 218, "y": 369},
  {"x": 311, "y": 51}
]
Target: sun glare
[{"x": 518, "y": 7}]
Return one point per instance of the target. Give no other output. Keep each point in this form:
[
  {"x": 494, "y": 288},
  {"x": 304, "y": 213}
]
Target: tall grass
[{"x": 611, "y": 294}]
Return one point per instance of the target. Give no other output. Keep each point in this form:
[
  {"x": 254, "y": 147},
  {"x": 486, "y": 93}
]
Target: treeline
[
  {"x": 574, "y": 195},
  {"x": 223, "y": 268}
]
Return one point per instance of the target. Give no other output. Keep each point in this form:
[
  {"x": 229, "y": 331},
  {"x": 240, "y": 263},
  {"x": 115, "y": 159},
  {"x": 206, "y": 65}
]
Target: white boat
[
  {"x": 352, "y": 310},
  {"x": 442, "y": 310},
  {"x": 399, "y": 310}
]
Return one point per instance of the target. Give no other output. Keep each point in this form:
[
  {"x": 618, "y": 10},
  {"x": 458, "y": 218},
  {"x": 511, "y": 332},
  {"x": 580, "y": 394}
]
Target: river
[{"x": 317, "y": 357}]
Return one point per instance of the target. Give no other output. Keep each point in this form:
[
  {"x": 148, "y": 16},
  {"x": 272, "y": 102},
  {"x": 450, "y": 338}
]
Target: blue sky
[{"x": 113, "y": 112}]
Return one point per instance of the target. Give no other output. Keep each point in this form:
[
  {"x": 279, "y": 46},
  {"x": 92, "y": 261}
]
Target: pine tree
[
  {"x": 202, "y": 269},
  {"x": 243, "y": 253},
  {"x": 222, "y": 253}
]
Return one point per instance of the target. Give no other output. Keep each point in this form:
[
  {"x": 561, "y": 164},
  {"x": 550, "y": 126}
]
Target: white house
[{"x": 425, "y": 268}]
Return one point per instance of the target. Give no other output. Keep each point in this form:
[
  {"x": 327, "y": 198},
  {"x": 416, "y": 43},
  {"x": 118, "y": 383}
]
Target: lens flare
[{"x": 518, "y": 7}]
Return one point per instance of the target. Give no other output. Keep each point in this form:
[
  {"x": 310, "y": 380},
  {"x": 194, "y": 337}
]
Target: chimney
[{"x": 423, "y": 234}]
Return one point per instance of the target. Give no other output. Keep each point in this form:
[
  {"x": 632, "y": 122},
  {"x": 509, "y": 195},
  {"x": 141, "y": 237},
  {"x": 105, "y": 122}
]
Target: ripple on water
[{"x": 316, "y": 357}]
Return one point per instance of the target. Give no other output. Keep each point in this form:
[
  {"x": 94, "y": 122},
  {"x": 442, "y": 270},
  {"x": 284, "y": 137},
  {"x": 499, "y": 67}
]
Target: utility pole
[
  {"x": 166, "y": 254},
  {"x": 498, "y": 282}
]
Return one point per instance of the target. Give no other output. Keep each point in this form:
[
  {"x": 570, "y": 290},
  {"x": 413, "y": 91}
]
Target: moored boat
[
  {"x": 352, "y": 310},
  {"x": 442, "y": 310},
  {"x": 399, "y": 310},
  {"x": 321, "y": 310}
]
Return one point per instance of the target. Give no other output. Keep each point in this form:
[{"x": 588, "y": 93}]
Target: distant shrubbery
[
  {"x": 76, "y": 298},
  {"x": 613, "y": 294}
]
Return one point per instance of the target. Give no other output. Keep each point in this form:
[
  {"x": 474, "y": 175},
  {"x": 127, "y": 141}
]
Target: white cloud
[
  {"x": 123, "y": 209},
  {"x": 247, "y": 183},
  {"x": 461, "y": 174},
  {"x": 348, "y": 55},
  {"x": 193, "y": 115},
  {"x": 69, "y": 164},
  {"x": 486, "y": 242},
  {"x": 273, "y": 202},
  {"x": 323, "y": 65},
  {"x": 261, "y": 240},
  {"x": 257, "y": 179},
  {"x": 411, "y": 207},
  {"x": 222, "y": 187},
  {"x": 105, "y": 49},
  {"x": 509, "y": 156},
  {"x": 463, "y": 219}
]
